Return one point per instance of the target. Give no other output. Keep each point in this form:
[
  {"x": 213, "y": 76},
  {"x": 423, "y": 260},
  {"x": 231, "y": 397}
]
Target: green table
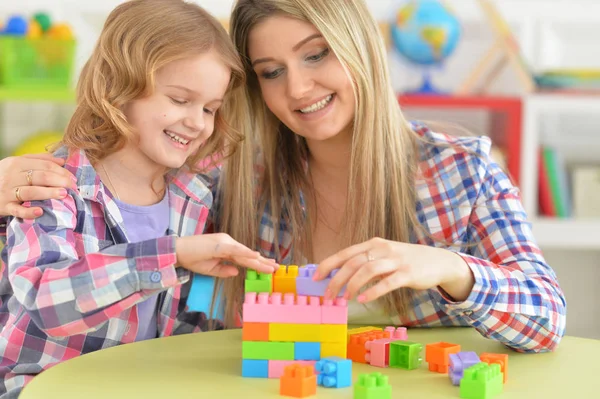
[{"x": 208, "y": 365}]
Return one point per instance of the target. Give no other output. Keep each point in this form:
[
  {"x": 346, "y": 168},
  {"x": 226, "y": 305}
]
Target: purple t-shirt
[{"x": 145, "y": 223}]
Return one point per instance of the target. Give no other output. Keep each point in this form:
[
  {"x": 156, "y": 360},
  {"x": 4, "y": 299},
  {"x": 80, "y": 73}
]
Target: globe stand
[{"x": 427, "y": 87}]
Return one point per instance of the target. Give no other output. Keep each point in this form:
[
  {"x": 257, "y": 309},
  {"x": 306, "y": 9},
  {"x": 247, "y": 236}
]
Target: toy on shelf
[{"x": 36, "y": 53}]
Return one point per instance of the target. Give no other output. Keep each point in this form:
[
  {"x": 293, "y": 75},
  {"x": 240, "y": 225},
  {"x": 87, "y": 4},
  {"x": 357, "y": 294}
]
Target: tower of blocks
[{"x": 286, "y": 320}]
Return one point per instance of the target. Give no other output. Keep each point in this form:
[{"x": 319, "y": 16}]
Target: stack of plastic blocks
[{"x": 287, "y": 321}]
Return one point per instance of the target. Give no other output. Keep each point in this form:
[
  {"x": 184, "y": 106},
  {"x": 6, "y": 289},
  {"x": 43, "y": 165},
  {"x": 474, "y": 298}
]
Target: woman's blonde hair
[
  {"x": 383, "y": 161},
  {"x": 140, "y": 37}
]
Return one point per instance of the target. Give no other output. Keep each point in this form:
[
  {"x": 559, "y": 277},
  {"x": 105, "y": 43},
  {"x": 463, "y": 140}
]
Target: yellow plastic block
[
  {"x": 334, "y": 349},
  {"x": 284, "y": 279},
  {"x": 362, "y": 330},
  {"x": 295, "y": 332},
  {"x": 334, "y": 333}
]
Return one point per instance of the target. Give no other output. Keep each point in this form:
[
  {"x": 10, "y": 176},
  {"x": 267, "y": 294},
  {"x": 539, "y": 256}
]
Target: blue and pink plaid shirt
[
  {"x": 73, "y": 280},
  {"x": 466, "y": 199}
]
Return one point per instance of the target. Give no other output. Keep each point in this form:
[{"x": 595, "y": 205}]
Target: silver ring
[{"x": 370, "y": 257}]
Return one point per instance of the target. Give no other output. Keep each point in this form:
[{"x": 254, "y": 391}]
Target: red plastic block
[
  {"x": 255, "y": 332},
  {"x": 498, "y": 358},
  {"x": 281, "y": 308},
  {"x": 334, "y": 311},
  {"x": 357, "y": 351},
  {"x": 298, "y": 381},
  {"x": 438, "y": 355},
  {"x": 277, "y": 367}
]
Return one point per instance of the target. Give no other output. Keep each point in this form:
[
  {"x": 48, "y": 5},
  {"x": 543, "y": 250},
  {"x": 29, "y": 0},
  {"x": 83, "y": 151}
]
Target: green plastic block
[
  {"x": 405, "y": 355},
  {"x": 258, "y": 282},
  {"x": 372, "y": 386},
  {"x": 257, "y": 350},
  {"x": 481, "y": 381}
]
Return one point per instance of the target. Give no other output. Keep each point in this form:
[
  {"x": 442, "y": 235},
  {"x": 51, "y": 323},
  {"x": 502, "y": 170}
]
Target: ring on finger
[
  {"x": 370, "y": 257},
  {"x": 29, "y": 175},
  {"x": 18, "y": 195}
]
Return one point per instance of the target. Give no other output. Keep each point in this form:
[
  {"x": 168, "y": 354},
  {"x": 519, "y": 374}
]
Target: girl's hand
[
  {"x": 391, "y": 265},
  {"x": 36, "y": 177},
  {"x": 212, "y": 255}
]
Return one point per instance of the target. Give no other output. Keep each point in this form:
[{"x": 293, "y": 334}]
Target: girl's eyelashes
[
  {"x": 271, "y": 74},
  {"x": 319, "y": 56},
  {"x": 209, "y": 111},
  {"x": 178, "y": 102},
  {"x": 311, "y": 58}
]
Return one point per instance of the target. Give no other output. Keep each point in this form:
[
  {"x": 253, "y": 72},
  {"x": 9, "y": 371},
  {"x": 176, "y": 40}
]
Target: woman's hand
[
  {"x": 391, "y": 265},
  {"x": 30, "y": 178},
  {"x": 213, "y": 255}
]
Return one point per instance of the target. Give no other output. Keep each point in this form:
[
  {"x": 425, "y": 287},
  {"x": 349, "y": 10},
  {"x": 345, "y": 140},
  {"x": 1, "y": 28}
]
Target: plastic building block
[
  {"x": 255, "y": 368},
  {"x": 307, "y": 350},
  {"x": 338, "y": 349},
  {"x": 295, "y": 332},
  {"x": 437, "y": 355},
  {"x": 359, "y": 330},
  {"x": 334, "y": 372},
  {"x": 277, "y": 367},
  {"x": 255, "y": 332},
  {"x": 405, "y": 355},
  {"x": 357, "y": 350},
  {"x": 397, "y": 333},
  {"x": 281, "y": 308},
  {"x": 499, "y": 358},
  {"x": 459, "y": 362},
  {"x": 258, "y": 282},
  {"x": 481, "y": 381},
  {"x": 268, "y": 350},
  {"x": 306, "y": 286},
  {"x": 284, "y": 279},
  {"x": 298, "y": 381},
  {"x": 334, "y": 333},
  {"x": 378, "y": 351},
  {"x": 372, "y": 386},
  {"x": 334, "y": 311}
]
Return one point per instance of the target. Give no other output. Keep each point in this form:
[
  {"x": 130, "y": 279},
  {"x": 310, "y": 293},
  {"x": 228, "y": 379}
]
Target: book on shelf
[{"x": 553, "y": 184}]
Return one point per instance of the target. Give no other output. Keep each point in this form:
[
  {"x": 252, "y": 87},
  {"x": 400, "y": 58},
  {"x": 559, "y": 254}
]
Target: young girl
[
  {"x": 109, "y": 262},
  {"x": 424, "y": 227}
]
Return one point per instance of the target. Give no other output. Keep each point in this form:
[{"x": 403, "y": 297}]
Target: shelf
[
  {"x": 553, "y": 233},
  {"x": 33, "y": 94}
]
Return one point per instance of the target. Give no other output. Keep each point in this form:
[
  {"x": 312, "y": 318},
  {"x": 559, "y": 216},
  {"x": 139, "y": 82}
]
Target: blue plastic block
[
  {"x": 307, "y": 351},
  {"x": 334, "y": 372},
  {"x": 255, "y": 368}
]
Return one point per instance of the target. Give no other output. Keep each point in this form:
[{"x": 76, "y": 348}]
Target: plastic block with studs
[
  {"x": 481, "y": 381},
  {"x": 338, "y": 349},
  {"x": 360, "y": 330},
  {"x": 307, "y": 350},
  {"x": 397, "y": 333},
  {"x": 334, "y": 372},
  {"x": 255, "y": 332},
  {"x": 499, "y": 358},
  {"x": 295, "y": 332},
  {"x": 405, "y": 355},
  {"x": 255, "y": 368},
  {"x": 277, "y": 367},
  {"x": 437, "y": 355},
  {"x": 335, "y": 333},
  {"x": 298, "y": 381},
  {"x": 334, "y": 311},
  {"x": 284, "y": 279},
  {"x": 306, "y": 286},
  {"x": 268, "y": 350},
  {"x": 357, "y": 349},
  {"x": 372, "y": 386},
  {"x": 378, "y": 352},
  {"x": 258, "y": 282},
  {"x": 281, "y": 308},
  {"x": 459, "y": 362}
]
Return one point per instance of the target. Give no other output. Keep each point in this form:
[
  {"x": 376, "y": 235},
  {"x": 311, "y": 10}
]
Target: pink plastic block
[
  {"x": 276, "y": 367},
  {"x": 378, "y": 351},
  {"x": 278, "y": 308},
  {"x": 334, "y": 311},
  {"x": 397, "y": 333},
  {"x": 306, "y": 286}
]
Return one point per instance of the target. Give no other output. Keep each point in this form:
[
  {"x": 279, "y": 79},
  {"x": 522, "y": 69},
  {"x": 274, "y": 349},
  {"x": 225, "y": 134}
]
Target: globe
[{"x": 425, "y": 32}]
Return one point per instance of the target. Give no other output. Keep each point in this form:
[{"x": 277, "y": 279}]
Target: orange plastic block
[
  {"x": 438, "y": 355},
  {"x": 361, "y": 330},
  {"x": 298, "y": 381},
  {"x": 498, "y": 358},
  {"x": 284, "y": 279},
  {"x": 357, "y": 350},
  {"x": 255, "y": 332}
]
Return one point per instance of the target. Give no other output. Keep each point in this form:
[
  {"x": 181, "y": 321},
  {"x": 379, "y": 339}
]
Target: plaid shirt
[
  {"x": 73, "y": 279},
  {"x": 465, "y": 198}
]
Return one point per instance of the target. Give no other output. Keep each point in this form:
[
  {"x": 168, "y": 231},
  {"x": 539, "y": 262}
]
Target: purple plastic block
[
  {"x": 306, "y": 286},
  {"x": 459, "y": 362}
]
